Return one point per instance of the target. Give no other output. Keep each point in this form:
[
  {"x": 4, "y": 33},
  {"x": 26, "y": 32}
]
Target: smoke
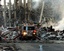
[
  {"x": 52, "y": 9},
  {"x": 35, "y": 4},
  {"x": 59, "y": 8},
  {"x": 55, "y": 9},
  {"x": 60, "y": 25}
]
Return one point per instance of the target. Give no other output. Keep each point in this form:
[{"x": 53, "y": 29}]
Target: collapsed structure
[{"x": 20, "y": 12}]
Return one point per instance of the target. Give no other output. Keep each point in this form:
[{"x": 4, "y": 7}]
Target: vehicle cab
[{"x": 28, "y": 30}]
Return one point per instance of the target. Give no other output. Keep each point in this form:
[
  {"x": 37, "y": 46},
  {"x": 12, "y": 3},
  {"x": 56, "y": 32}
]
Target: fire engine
[{"x": 28, "y": 31}]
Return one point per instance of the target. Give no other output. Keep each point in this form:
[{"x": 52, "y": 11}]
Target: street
[
  {"x": 37, "y": 47},
  {"x": 53, "y": 47}
]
